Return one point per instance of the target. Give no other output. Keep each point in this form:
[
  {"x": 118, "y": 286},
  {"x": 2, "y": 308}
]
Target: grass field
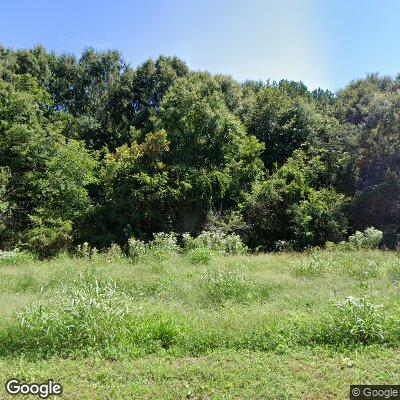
[{"x": 201, "y": 326}]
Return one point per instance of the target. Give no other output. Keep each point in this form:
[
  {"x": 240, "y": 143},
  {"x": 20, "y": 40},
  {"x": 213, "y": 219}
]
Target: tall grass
[{"x": 186, "y": 304}]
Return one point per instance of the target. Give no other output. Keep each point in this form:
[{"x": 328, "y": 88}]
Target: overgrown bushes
[
  {"x": 217, "y": 241},
  {"x": 369, "y": 239},
  {"x": 49, "y": 237}
]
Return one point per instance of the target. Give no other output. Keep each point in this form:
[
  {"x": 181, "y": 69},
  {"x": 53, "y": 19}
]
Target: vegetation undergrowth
[{"x": 192, "y": 303}]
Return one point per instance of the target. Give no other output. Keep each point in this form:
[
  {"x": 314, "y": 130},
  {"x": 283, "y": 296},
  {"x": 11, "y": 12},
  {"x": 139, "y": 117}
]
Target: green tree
[
  {"x": 137, "y": 193},
  {"x": 293, "y": 206},
  {"x": 281, "y": 121},
  {"x": 210, "y": 149},
  {"x": 46, "y": 173}
]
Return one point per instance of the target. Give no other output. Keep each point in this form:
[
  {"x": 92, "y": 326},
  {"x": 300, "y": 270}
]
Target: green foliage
[
  {"x": 45, "y": 173},
  {"x": 114, "y": 253},
  {"x": 200, "y": 255},
  {"x": 48, "y": 236},
  {"x": 4, "y": 205},
  {"x": 369, "y": 239},
  {"x": 394, "y": 271},
  {"x": 367, "y": 270},
  {"x": 138, "y": 194},
  {"x": 252, "y": 303},
  {"x": 149, "y": 84},
  {"x": 222, "y": 286},
  {"x": 163, "y": 245},
  {"x": 354, "y": 321},
  {"x": 282, "y": 121},
  {"x": 209, "y": 149},
  {"x": 84, "y": 251},
  {"x": 319, "y": 218},
  {"x": 215, "y": 241},
  {"x": 15, "y": 257},
  {"x": 289, "y": 207},
  {"x": 124, "y": 152},
  {"x": 314, "y": 266},
  {"x": 136, "y": 248}
]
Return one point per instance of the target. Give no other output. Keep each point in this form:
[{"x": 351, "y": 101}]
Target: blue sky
[{"x": 324, "y": 43}]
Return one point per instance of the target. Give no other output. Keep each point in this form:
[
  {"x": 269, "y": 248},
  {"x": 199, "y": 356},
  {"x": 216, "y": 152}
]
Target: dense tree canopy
[{"x": 92, "y": 149}]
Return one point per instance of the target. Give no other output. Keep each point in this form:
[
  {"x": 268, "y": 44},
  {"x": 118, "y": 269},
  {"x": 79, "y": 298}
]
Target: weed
[
  {"x": 200, "y": 255},
  {"x": 221, "y": 286},
  {"x": 311, "y": 267},
  {"x": 354, "y": 321},
  {"x": 15, "y": 257}
]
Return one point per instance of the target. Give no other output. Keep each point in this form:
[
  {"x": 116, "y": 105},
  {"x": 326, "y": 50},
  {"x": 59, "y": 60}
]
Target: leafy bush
[
  {"x": 369, "y": 239},
  {"x": 162, "y": 246},
  {"x": 291, "y": 205},
  {"x": 49, "y": 236},
  {"x": 284, "y": 245},
  {"x": 319, "y": 218},
  {"x": 200, "y": 255},
  {"x": 216, "y": 241},
  {"x": 164, "y": 241}
]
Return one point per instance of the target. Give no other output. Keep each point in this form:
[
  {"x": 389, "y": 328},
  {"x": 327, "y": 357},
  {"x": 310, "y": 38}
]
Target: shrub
[
  {"x": 284, "y": 245},
  {"x": 216, "y": 241},
  {"x": 49, "y": 236},
  {"x": 331, "y": 246},
  {"x": 162, "y": 246},
  {"x": 164, "y": 241},
  {"x": 200, "y": 255},
  {"x": 369, "y": 239},
  {"x": 188, "y": 241},
  {"x": 319, "y": 218},
  {"x": 136, "y": 248},
  {"x": 85, "y": 251}
]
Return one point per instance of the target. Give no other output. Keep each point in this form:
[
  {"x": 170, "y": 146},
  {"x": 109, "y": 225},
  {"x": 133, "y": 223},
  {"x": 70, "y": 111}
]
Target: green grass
[{"x": 275, "y": 326}]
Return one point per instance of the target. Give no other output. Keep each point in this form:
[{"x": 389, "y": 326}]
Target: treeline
[{"x": 94, "y": 150}]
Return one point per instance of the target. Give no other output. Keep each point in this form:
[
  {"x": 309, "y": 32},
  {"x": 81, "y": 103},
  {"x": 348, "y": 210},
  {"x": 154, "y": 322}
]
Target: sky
[{"x": 324, "y": 43}]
